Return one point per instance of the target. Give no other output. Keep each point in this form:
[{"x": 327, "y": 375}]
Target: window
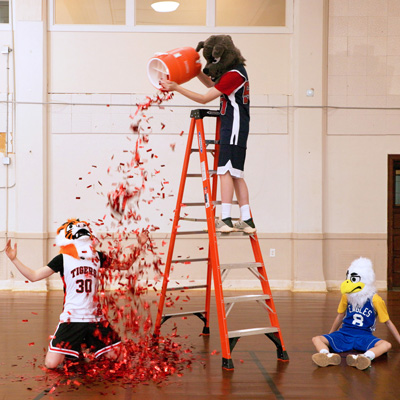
[
  {"x": 212, "y": 16},
  {"x": 98, "y": 12},
  {"x": 397, "y": 188},
  {"x": 4, "y": 12},
  {"x": 250, "y": 13},
  {"x": 189, "y": 12}
]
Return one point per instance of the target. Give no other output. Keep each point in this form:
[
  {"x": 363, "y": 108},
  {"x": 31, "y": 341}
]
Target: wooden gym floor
[{"x": 27, "y": 320}]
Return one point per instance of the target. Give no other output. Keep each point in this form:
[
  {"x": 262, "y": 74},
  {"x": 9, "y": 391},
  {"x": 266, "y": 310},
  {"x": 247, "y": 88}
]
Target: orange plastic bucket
[{"x": 178, "y": 65}]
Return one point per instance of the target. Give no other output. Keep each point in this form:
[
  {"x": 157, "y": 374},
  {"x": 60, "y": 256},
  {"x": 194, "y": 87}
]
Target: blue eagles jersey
[
  {"x": 235, "y": 111},
  {"x": 363, "y": 318}
]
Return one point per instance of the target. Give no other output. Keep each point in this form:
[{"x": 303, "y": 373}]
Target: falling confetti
[{"x": 123, "y": 282}]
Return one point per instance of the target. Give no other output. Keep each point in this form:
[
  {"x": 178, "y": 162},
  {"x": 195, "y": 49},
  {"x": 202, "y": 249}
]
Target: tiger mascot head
[{"x": 76, "y": 239}]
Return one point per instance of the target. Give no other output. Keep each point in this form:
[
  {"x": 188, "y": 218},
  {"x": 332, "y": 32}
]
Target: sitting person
[{"x": 357, "y": 313}]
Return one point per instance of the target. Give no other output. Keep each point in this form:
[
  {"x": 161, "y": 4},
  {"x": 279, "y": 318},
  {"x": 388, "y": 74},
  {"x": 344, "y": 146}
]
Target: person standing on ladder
[{"x": 225, "y": 76}]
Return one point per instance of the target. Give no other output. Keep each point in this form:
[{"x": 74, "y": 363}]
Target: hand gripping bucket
[{"x": 178, "y": 65}]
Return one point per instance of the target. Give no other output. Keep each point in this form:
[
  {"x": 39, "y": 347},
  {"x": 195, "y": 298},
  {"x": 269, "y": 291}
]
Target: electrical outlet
[{"x": 272, "y": 252}]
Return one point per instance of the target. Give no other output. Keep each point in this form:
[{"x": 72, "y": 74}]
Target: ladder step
[
  {"x": 200, "y": 219},
  {"x": 186, "y": 287},
  {"x": 210, "y": 171},
  {"x": 183, "y": 314},
  {"x": 211, "y": 142},
  {"x": 205, "y": 232},
  {"x": 241, "y": 265},
  {"x": 248, "y": 297},
  {"x": 192, "y": 233},
  {"x": 197, "y": 204},
  {"x": 252, "y": 331},
  {"x": 185, "y": 260},
  {"x": 207, "y": 150},
  {"x": 193, "y": 219}
]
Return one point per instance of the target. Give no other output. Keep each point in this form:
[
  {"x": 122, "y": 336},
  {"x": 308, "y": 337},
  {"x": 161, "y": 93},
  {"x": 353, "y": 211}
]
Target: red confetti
[{"x": 143, "y": 358}]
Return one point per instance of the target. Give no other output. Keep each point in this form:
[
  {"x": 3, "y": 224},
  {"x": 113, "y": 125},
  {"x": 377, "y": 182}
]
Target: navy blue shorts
[
  {"x": 341, "y": 341},
  {"x": 231, "y": 159}
]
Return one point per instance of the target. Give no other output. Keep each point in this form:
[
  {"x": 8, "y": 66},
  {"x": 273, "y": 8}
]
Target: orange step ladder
[{"x": 216, "y": 272}]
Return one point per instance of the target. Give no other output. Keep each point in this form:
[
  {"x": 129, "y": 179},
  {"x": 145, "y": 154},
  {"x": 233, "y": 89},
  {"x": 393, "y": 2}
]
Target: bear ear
[
  {"x": 218, "y": 50},
  {"x": 200, "y": 46}
]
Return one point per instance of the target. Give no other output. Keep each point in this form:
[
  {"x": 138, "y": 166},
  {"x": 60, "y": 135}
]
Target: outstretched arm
[
  {"x": 337, "y": 322},
  {"x": 30, "y": 274},
  {"x": 205, "y": 79},
  {"x": 393, "y": 330},
  {"x": 212, "y": 93}
]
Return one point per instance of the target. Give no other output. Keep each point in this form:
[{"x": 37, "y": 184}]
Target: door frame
[{"x": 393, "y": 159}]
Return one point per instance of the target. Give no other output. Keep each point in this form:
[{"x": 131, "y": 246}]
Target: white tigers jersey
[{"x": 80, "y": 279}]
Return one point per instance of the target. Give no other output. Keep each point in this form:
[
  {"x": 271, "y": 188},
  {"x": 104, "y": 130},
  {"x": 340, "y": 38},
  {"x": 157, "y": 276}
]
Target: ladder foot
[
  {"x": 227, "y": 363},
  {"x": 206, "y": 330},
  {"x": 282, "y": 355}
]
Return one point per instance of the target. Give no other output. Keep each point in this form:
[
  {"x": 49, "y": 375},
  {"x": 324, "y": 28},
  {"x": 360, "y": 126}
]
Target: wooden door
[{"x": 394, "y": 222}]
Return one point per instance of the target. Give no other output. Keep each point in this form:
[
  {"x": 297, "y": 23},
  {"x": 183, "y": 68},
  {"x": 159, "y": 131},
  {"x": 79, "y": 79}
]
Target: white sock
[
  {"x": 226, "y": 210},
  {"x": 245, "y": 212},
  {"x": 324, "y": 351},
  {"x": 369, "y": 354}
]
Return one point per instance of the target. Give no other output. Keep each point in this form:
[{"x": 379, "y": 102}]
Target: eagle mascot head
[
  {"x": 76, "y": 239},
  {"x": 359, "y": 285}
]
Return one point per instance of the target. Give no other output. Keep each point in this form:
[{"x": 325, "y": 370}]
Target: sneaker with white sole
[
  {"x": 325, "y": 359},
  {"x": 224, "y": 225},
  {"x": 245, "y": 226},
  {"x": 358, "y": 361}
]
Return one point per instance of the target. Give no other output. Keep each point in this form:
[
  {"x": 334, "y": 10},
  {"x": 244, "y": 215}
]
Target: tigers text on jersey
[
  {"x": 80, "y": 279},
  {"x": 235, "y": 106}
]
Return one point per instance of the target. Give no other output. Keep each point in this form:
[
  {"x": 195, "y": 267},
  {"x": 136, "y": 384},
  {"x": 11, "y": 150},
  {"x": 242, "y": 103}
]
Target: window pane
[
  {"x": 250, "y": 13},
  {"x": 99, "y": 12},
  {"x": 397, "y": 188},
  {"x": 189, "y": 12},
  {"x": 4, "y": 12}
]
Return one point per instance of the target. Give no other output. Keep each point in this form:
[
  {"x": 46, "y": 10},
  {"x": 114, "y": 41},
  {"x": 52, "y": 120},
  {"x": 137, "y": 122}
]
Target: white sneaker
[
  {"x": 223, "y": 227},
  {"x": 246, "y": 227},
  {"x": 325, "y": 359},
  {"x": 359, "y": 361}
]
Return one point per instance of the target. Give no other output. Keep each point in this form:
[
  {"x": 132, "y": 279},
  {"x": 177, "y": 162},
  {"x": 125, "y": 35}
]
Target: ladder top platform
[{"x": 200, "y": 113}]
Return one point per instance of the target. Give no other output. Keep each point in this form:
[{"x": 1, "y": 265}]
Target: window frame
[
  {"x": 209, "y": 28},
  {"x": 4, "y": 26}
]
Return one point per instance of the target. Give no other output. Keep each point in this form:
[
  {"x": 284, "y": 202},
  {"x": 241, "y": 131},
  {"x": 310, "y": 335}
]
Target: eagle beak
[{"x": 348, "y": 287}]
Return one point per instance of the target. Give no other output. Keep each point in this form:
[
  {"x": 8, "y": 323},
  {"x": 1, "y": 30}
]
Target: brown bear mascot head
[{"x": 221, "y": 55}]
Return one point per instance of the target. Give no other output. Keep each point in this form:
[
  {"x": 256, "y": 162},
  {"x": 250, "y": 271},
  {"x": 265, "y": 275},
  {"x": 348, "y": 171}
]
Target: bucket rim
[{"x": 153, "y": 81}]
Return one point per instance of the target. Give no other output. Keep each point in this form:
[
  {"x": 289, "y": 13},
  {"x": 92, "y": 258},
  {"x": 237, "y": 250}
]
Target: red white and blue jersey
[
  {"x": 234, "y": 106},
  {"x": 80, "y": 278}
]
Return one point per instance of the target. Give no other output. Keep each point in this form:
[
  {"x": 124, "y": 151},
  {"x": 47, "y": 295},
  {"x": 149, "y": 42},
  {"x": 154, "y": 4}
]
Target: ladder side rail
[
  {"x": 273, "y": 316},
  {"x": 214, "y": 189},
  {"x": 174, "y": 228},
  {"x": 213, "y": 247}
]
